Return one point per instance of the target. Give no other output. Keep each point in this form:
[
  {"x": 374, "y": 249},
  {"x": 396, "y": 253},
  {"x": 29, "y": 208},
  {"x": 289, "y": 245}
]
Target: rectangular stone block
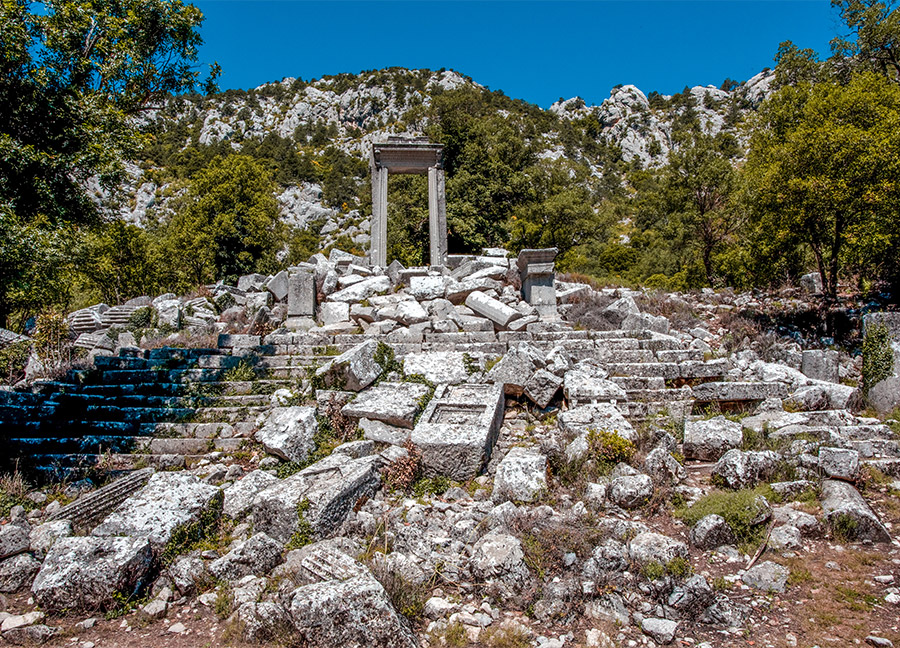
[
  {"x": 302, "y": 294},
  {"x": 457, "y": 431},
  {"x": 393, "y": 403}
]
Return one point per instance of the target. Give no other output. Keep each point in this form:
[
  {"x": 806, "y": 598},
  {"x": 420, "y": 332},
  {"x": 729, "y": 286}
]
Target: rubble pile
[{"x": 423, "y": 456}]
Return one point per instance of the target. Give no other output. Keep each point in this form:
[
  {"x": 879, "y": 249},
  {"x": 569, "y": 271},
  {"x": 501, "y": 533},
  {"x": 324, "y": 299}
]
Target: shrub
[
  {"x": 878, "y": 357},
  {"x": 13, "y": 360},
  {"x": 13, "y": 491},
  {"x": 609, "y": 448},
  {"x": 242, "y": 372},
  {"x": 741, "y": 510},
  {"x": 403, "y": 472},
  {"x": 431, "y": 486}
]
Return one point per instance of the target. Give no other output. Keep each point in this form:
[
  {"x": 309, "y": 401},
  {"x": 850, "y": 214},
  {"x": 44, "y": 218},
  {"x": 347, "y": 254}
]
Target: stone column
[
  {"x": 378, "y": 231},
  {"x": 437, "y": 216}
]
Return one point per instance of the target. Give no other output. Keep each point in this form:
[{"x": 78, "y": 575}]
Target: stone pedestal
[{"x": 537, "y": 275}]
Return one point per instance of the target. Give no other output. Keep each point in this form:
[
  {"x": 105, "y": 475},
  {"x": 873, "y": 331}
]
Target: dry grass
[
  {"x": 187, "y": 339},
  {"x": 677, "y": 311},
  {"x": 587, "y": 312}
]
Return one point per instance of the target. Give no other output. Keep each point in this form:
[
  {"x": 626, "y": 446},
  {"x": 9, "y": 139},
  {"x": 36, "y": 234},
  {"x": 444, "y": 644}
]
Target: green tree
[
  {"x": 874, "y": 39},
  {"x": 227, "y": 226},
  {"x": 561, "y": 215},
  {"x": 73, "y": 75},
  {"x": 698, "y": 182},
  {"x": 118, "y": 261},
  {"x": 823, "y": 170}
]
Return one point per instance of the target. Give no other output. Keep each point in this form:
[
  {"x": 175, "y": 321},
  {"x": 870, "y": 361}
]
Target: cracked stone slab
[
  {"x": 169, "y": 501},
  {"x": 392, "y": 403}
]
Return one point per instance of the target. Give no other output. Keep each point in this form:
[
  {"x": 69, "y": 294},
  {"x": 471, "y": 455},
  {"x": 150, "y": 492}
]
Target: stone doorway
[{"x": 408, "y": 155}]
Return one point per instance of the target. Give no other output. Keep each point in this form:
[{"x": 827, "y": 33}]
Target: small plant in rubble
[
  {"x": 343, "y": 427},
  {"x": 403, "y": 472}
]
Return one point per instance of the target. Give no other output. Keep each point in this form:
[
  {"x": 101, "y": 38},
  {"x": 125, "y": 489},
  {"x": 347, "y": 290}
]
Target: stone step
[
  {"x": 118, "y": 376},
  {"x": 639, "y": 382},
  {"x": 84, "y": 444},
  {"x": 680, "y": 355},
  {"x": 198, "y": 430},
  {"x": 660, "y": 395},
  {"x": 52, "y": 428},
  {"x": 184, "y": 446},
  {"x": 141, "y": 414},
  {"x": 119, "y": 362},
  {"x": 739, "y": 391}
]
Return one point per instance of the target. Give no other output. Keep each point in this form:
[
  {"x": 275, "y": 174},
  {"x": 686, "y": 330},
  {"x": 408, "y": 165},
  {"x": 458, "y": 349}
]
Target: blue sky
[{"x": 537, "y": 51}]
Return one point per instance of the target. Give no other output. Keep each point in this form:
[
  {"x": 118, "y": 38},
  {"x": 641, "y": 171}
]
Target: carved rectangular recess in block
[{"x": 457, "y": 414}]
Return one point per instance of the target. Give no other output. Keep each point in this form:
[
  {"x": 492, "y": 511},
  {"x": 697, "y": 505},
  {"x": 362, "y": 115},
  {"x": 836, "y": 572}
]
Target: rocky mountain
[{"x": 351, "y": 111}]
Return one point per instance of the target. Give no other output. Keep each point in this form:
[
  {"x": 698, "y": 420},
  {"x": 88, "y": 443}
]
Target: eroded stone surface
[
  {"x": 86, "y": 573},
  {"x": 170, "y": 500}
]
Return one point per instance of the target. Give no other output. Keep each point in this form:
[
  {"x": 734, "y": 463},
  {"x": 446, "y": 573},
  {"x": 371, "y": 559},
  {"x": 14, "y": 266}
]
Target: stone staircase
[{"x": 164, "y": 404}]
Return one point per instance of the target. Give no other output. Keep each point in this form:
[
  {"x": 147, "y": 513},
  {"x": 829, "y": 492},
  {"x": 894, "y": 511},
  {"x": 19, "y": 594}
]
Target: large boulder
[
  {"x": 354, "y": 370},
  {"x": 649, "y": 547},
  {"x": 711, "y": 531},
  {"x": 288, "y": 432},
  {"x": 258, "y": 555},
  {"x": 848, "y": 514},
  {"x": 631, "y": 491},
  {"x": 521, "y": 476},
  {"x": 767, "y": 576},
  {"x": 86, "y": 574},
  {"x": 707, "y": 440},
  {"x": 169, "y": 503},
  {"x": 737, "y": 469}
]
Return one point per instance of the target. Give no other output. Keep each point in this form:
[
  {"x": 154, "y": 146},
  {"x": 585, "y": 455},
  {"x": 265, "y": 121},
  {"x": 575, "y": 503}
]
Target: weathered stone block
[
  {"x": 84, "y": 574},
  {"x": 302, "y": 294},
  {"x": 362, "y": 289},
  {"x": 239, "y": 496},
  {"x": 334, "y": 312},
  {"x": 322, "y": 493},
  {"x": 494, "y": 309},
  {"x": 839, "y": 463},
  {"x": 351, "y": 612},
  {"x": 394, "y": 403},
  {"x": 542, "y": 387},
  {"x": 169, "y": 501},
  {"x": 259, "y": 555},
  {"x": 17, "y": 572},
  {"x": 288, "y": 432},
  {"x": 457, "y": 431},
  {"x": 439, "y": 367},
  {"x": 353, "y": 370}
]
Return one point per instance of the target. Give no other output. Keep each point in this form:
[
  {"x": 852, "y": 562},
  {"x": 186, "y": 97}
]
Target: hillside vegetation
[{"x": 746, "y": 185}]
